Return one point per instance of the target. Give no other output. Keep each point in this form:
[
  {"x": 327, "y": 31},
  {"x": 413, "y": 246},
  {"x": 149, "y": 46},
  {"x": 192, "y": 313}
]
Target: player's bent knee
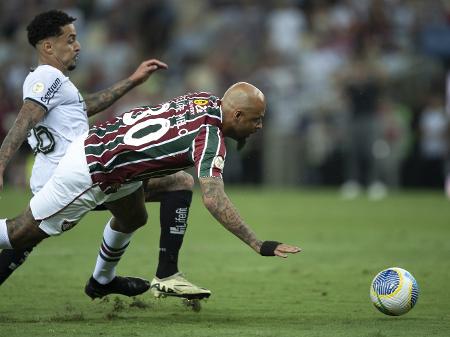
[
  {"x": 140, "y": 219},
  {"x": 186, "y": 181},
  {"x": 130, "y": 223},
  {"x": 133, "y": 219},
  {"x": 136, "y": 217}
]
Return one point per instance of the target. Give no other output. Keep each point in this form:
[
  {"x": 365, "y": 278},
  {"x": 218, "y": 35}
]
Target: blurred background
[{"x": 356, "y": 89}]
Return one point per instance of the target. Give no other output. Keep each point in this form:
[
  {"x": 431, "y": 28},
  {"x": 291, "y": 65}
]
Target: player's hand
[
  {"x": 275, "y": 248},
  {"x": 145, "y": 69},
  {"x": 283, "y": 249}
]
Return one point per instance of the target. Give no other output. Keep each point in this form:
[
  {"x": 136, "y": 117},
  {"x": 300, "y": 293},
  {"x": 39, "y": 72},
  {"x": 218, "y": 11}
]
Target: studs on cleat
[{"x": 193, "y": 304}]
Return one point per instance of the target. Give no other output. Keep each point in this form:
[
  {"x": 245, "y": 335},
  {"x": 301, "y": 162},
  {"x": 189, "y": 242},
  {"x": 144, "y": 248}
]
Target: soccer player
[
  {"x": 54, "y": 113},
  {"x": 106, "y": 166}
]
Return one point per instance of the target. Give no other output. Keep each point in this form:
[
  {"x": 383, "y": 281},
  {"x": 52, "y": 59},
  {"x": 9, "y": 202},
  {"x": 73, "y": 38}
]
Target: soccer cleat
[
  {"x": 128, "y": 286},
  {"x": 176, "y": 285}
]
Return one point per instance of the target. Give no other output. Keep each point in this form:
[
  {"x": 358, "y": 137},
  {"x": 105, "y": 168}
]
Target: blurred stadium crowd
[{"x": 356, "y": 89}]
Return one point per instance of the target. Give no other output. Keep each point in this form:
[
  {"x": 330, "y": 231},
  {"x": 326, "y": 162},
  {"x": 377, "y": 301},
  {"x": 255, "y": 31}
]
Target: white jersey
[{"x": 65, "y": 120}]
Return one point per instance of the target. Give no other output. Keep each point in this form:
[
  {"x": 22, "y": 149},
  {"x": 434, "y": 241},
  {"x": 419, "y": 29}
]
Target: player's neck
[
  {"x": 51, "y": 61},
  {"x": 227, "y": 121}
]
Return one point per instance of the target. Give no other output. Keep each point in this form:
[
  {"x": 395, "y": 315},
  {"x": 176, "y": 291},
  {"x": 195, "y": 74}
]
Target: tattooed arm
[
  {"x": 221, "y": 207},
  {"x": 29, "y": 115},
  {"x": 103, "y": 99}
]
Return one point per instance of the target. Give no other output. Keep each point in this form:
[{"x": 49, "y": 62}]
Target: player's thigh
[
  {"x": 68, "y": 195},
  {"x": 175, "y": 182},
  {"x": 129, "y": 211},
  {"x": 68, "y": 215}
]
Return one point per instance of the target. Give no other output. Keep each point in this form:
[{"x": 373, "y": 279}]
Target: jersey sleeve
[
  {"x": 43, "y": 88},
  {"x": 209, "y": 152}
]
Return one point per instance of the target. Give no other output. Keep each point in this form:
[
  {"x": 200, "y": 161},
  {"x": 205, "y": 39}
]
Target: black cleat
[{"x": 128, "y": 286}]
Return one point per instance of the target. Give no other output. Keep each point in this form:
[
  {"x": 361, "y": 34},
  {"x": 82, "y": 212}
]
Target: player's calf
[
  {"x": 21, "y": 232},
  {"x": 10, "y": 260}
]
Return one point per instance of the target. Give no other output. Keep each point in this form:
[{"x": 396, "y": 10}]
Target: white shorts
[
  {"x": 70, "y": 193},
  {"x": 42, "y": 171}
]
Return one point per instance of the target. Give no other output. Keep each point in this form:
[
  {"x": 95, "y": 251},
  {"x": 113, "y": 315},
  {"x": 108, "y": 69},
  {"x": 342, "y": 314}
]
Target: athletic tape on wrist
[{"x": 268, "y": 248}]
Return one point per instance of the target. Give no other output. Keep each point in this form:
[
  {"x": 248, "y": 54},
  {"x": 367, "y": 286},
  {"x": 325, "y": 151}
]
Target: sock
[
  {"x": 4, "y": 238},
  {"x": 10, "y": 260},
  {"x": 113, "y": 246},
  {"x": 174, "y": 213}
]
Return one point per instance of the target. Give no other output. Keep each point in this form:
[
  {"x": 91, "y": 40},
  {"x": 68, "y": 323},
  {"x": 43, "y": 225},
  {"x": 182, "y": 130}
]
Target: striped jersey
[{"x": 154, "y": 141}]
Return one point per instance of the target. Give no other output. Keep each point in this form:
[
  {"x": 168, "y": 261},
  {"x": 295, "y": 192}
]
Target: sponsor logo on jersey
[
  {"x": 218, "y": 162},
  {"x": 200, "y": 101},
  {"x": 51, "y": 91},
  {"x": 180, "y": 120},
  {"x": 38, "y": 87}
]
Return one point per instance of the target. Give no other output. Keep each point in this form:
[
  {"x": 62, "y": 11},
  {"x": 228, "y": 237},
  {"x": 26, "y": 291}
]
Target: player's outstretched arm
[
  {"x": 221, "y": 207},
  {"x": 29, "y": 115},
  {"x": 103, "y": 99}
]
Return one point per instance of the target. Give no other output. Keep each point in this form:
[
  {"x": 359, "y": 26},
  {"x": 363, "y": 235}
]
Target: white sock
[
  {"x": 113, "y": 246},
  {"x": 4, "y": 238}
]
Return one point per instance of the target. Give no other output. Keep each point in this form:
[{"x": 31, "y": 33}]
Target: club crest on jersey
[
  {"x": 66, "y": 225},
  {"x": 218, "y": 162},
  {"x": 38, "y": 87}
]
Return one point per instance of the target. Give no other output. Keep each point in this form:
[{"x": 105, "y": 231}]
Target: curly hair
[{"x": 46, "y": 25}]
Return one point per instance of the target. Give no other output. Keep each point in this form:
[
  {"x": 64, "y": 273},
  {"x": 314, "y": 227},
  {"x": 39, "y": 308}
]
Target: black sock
[
  {"x": 10, "y": 260},
  {"x": 174, "y": 212}
]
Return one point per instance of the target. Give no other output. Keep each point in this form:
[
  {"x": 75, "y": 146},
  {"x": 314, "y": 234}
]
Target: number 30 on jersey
[{"x": 146, "y": 131}]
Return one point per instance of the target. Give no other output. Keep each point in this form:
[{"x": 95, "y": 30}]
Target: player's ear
[
  {"x": 47, "y": 47},
  {"x": 237, "y": 114}
]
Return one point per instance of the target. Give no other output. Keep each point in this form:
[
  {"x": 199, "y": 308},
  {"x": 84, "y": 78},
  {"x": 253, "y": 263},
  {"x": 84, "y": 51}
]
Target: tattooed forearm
[
  {"x": 103, "y": 99},
  {"x": 223, "y": 210},
  {"x": 29, "y": 115}
]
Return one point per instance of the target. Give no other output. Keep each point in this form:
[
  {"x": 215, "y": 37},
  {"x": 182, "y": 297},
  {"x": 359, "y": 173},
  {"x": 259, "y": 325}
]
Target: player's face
[
  {"x": 66, "y": 47},
  {"x": 249, "y": 122}
]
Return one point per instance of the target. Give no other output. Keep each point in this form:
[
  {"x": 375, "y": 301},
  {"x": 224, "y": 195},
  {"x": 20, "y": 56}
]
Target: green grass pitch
[{"x": 323, "y": 291}]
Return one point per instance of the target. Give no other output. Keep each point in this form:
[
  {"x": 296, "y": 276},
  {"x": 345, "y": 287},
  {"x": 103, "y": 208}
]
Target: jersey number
[
  {"x": 146, "y": 131},
  {"x": 45, "y": 140}
]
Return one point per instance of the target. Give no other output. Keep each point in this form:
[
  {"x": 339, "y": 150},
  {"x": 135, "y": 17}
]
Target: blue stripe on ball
[{"x": 386, "y": 282}]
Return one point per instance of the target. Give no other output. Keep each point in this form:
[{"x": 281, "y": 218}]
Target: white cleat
[{"x": 177, "y": 286}]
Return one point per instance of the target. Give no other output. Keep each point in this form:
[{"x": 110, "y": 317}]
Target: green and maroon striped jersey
[{"x": 154, "y": 141}]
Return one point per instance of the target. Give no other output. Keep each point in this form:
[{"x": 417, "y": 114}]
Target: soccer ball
[{"x": 394, "y": 291}]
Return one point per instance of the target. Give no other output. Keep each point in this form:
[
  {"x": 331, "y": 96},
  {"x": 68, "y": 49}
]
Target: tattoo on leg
[
  {"x": 174, "y": 182},
  {"x": 24, "y": 231}
]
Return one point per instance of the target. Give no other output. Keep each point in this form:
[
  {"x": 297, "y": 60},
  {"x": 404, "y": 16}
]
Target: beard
[
  {"x": 74, "y": 63},
  {"x": 72, "y": 67},
  {"x": 241, "y": 143}
]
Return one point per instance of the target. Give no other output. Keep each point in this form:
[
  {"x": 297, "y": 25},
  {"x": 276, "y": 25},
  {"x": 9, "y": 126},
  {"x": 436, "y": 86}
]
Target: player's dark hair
[{"x": 47, "y": 24}]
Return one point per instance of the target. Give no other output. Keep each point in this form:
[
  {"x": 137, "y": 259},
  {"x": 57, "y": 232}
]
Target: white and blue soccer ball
[{"x": 394, "y": 291}]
